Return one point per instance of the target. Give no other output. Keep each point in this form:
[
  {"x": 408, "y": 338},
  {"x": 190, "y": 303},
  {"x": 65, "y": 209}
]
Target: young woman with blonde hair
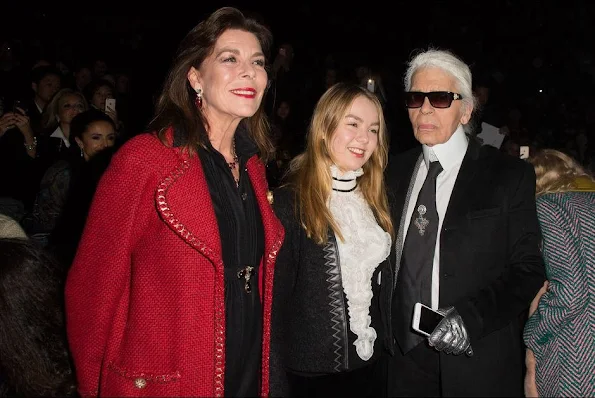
[{"x": 333, "y": 282}]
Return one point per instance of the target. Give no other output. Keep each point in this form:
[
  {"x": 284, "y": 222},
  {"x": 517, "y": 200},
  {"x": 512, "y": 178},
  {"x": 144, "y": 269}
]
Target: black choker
[
  {"x": 344, "y": 185},
  {"x": 345, "y": 190},
  {"x": 338, "y": 179}
]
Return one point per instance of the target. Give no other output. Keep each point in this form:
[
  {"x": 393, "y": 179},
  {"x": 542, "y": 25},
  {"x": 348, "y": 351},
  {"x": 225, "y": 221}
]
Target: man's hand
[{"x": 451, "y": 334}]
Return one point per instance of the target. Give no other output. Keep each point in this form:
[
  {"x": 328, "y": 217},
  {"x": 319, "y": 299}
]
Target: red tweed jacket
[{"x": 145, "y": 294}]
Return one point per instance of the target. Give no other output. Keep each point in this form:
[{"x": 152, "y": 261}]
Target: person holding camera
[{"x": 467, "y": 246}]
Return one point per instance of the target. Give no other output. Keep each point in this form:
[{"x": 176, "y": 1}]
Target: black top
[
  {"x": 310, "y": 331},
  {"x": 20, "y": 175},
  {"x": 242, "y": 244}
]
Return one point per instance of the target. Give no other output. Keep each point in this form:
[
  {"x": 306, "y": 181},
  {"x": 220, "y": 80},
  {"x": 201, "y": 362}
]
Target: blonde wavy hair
[
  {"x": 49, "y": 118},
  {"x": 555, "y": 171},
  {"x": 310, "y": 175}
]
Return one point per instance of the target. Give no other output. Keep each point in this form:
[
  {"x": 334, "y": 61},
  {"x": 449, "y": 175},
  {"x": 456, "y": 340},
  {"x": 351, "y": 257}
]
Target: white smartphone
[
  {"x": 370, "y": 85},
  {"x": 425, "y": 319},
  {"x": 524, "y": 152},
  {"x": 110, "y": 104}
]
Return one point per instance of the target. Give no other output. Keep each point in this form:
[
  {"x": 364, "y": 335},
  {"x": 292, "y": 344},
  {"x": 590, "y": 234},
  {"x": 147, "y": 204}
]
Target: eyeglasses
[{"x": 438, "y": 99}]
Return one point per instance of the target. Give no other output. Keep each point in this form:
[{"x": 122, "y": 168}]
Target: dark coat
[{"x": 490, "y": 264}]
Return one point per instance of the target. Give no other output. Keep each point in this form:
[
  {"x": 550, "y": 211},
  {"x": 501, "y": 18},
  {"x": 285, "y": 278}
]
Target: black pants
[
  {"x": 416, "y": 374},
  {"x": 369, "y": 381}
]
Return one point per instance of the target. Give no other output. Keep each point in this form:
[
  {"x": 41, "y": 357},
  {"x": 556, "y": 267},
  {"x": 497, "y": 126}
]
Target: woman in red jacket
[{"x": 170, "y": 290}]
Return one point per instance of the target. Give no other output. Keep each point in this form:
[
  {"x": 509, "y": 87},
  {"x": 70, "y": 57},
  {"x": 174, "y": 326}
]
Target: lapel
[
  {"x": 459, "y": 199},
  {"x": 401, "y": 173},
  {"x": 184, "y": 202},
  {"x": 273, "y": 229},
  {"x": 399, "y": 179}
]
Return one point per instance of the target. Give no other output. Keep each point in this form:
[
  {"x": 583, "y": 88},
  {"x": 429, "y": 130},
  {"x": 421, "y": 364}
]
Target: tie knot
[{"x": 435, "y": 169}]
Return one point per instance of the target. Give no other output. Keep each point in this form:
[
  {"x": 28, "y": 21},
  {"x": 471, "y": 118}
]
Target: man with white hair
[{"x": 467, "y": 246}]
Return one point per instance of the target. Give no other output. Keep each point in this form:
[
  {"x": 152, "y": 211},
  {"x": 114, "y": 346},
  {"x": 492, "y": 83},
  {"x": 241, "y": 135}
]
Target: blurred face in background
[
  {"x": 122, "y": 84},
  {"x": 99, "y": 68},
  {"x": 283, "y": 110},
  {"x": 82, "y": 77},
  {"x": 100, "y": 95},
  {"x": 47, "y": 87},
  {"x": 98, "y": 136},
  {"x": 483, "y": 94},
  {"x": 70, "y": 106}
]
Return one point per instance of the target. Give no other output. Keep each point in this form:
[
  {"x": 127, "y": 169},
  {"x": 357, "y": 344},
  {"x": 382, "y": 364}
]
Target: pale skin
[
  {"x": 71, "y": 106},
  {"x": 530, "y": 386},
  {"x": 432, "y": 126},
  {"x": 233, "y": 81},
  {"x": 356, "y": 137}
]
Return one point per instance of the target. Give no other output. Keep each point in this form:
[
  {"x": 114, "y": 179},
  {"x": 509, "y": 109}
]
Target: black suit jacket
[{"x": 490, "y": 263}]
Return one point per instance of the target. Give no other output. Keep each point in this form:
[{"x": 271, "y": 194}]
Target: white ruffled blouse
[{"x": 366, "y": 245}]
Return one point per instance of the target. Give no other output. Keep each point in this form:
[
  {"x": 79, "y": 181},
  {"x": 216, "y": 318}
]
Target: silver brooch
[{"x": 420, "y": 221}]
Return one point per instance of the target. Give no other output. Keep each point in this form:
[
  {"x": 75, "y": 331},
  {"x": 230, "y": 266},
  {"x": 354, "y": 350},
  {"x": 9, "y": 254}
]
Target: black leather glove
[{"x": 451, "y": 334}]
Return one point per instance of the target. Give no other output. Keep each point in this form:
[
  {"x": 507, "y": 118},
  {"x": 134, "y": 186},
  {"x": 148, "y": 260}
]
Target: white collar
[
  {"x": 345, "y": 182},
  {"x": 39, "y": 108},
  {"x": 58, "y": 133},
  {"x": 450, "y": 153}
]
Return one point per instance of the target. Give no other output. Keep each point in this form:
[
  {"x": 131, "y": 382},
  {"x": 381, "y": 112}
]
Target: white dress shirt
[
  {"x": 450, "y": 155},
  {"x": 58, "y": 133},
  {"x": 364, "y": 247}
]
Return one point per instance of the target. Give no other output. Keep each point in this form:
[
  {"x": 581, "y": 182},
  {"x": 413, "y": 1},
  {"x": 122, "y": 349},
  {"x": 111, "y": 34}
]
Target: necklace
[
  {"x": 232, "y": 165},
  {"x": 235, "y": 162}
]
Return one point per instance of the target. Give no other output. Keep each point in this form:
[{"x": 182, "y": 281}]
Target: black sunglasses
[{"x": 438, "y": 99}]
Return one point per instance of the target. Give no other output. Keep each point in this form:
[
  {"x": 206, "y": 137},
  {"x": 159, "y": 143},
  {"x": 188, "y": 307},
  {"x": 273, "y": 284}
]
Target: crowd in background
[{"x": 51, "y": 163}]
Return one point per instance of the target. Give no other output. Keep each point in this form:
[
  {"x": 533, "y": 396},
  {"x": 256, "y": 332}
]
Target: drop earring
[
  {"x": 82, "y": 154},
  {"x": 198, "y": 100}
]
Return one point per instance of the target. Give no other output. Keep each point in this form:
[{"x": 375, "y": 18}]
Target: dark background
[
  {"x": 529, "y": 51},
  {"x": 504, "y": 35}
]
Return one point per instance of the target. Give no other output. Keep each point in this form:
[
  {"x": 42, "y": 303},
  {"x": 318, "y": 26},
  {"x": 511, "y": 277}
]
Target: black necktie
[{"x": 414, "y": 281}]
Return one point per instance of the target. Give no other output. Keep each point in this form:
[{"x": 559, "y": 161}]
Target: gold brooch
[{"x": 270, "y": 197}]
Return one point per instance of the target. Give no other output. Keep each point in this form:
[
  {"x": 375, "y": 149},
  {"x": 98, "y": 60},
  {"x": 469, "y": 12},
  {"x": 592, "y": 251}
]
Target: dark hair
[
  {"x": 175, "y": 106},
  {"x": 39, "y": 72},
  {"x": 34, "y": 358},
  {"x": 94, "y": 85},
  {"x": 80, "y": 123}
]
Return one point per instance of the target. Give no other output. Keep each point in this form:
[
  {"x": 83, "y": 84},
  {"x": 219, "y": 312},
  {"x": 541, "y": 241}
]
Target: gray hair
[{"x": 451, "y": 64}]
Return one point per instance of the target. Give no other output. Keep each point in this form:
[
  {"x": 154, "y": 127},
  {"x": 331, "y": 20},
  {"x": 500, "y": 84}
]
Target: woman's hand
[
  {"x": 530, "y": 386},
  {"x": 535, "y": 301}
]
